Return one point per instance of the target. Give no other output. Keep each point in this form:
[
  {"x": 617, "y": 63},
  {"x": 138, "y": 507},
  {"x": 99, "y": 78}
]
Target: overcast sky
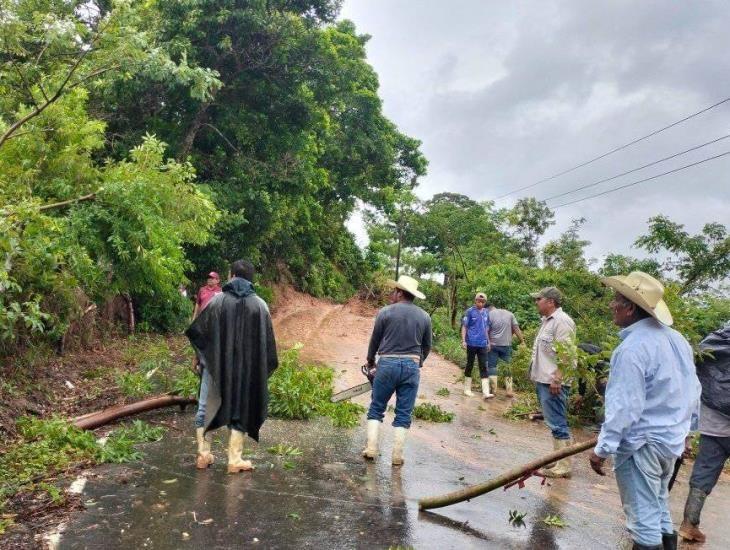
[{"x": 503, "y": 94}]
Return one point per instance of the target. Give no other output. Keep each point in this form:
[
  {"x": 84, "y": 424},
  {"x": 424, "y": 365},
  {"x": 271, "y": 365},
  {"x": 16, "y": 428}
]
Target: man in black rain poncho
[{"x": 234, "y": 341}]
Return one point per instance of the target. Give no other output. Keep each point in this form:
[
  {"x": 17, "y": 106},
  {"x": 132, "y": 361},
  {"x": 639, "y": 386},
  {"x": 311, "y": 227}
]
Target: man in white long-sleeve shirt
[{"x": 652, "y": 402}]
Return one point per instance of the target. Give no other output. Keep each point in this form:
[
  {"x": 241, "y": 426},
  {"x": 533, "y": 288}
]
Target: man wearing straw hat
[
  {"x": 402, "y": 339},
  {"x": 652, "y": 401}
]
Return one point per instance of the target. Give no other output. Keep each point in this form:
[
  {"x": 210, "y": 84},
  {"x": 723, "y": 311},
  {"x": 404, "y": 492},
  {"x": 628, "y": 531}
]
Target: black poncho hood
[{"x": 239, "y": 287}]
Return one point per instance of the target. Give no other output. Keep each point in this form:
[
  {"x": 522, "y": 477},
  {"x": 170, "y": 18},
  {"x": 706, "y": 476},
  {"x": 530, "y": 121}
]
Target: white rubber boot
[
  {"x": 399, "y": 441},
  {"x": 235, "y": 450},
  {"x": 493, "y": 383},
  {"x": 485, "y": 388},
  {"x": 563, "y": 467},
  {"x": 509, "y": 392},
  {"x": 371, "y": 450},
  {"x": 467, "y": 386},
  {"x": 205, "y": 458}
]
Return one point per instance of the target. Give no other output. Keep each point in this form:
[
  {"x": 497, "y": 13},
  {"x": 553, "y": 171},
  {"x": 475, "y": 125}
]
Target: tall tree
[
  {"x": 69, "y": 223},
  {"x": 699, "y": 260},
  {"x": 619, "y": 264},
  {"x": 290, "y": 142},
  {"x": 567, "y": 252},
  {"x": 529, "y": 219}
]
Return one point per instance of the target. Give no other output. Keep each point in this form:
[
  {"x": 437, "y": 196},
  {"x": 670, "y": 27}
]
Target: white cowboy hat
[
  {"x": 643, "y": 290},
  {"x": 409, "y": 284}
]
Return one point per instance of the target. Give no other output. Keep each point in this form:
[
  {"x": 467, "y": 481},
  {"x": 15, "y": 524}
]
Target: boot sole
[
  {"x": 203, "y": 463},
  {"x": 690, "y": 537},
  {"x": 238, "y": 469}
]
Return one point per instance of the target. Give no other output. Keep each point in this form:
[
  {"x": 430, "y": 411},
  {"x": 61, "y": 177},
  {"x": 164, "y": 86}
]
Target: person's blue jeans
[
  {"x": 205, "y": 381},
  {"x": 498, "y": 353},
  {"x": 643, "y": 483},
  {"x": 202, "y": 398},
  {"x": 554, "y": 409},
  {"x": 400, "y": 376}
]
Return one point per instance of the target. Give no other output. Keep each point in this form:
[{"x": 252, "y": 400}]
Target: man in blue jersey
[{"x": 475, "y": 340}]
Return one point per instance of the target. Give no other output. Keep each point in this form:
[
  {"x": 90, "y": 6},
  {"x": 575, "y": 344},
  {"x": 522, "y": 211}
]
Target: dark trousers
[
  {"x": 481, "y": 354},
  {"x": 711, "y": 457}
]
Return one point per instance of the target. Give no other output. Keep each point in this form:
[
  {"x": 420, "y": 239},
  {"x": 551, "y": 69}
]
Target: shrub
[
  {"x": 432, "y": 413},
  {"x": 298, "y": 391}
]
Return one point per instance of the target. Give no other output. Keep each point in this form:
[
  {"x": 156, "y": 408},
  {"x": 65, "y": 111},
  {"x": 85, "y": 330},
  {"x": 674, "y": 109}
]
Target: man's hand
[
  {"x": 597, "y": 463},
  {"x": 489, "y": 347},
  {"x": 555, "y": 388},
  {"x": 687, "y": 447},
  {"x": 463, "y": 344},
  {"x": 195, "y": 367}
]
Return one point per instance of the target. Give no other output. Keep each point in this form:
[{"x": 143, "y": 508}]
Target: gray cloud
[{"x": 504, "y": 94}]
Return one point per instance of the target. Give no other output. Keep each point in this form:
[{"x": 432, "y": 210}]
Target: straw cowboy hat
[
  {"x": 409, "y": 284},
  {"x": 643, "y": 290}
]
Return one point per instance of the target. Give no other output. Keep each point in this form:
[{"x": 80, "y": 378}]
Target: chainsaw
[{"x": 369, "y": 373}]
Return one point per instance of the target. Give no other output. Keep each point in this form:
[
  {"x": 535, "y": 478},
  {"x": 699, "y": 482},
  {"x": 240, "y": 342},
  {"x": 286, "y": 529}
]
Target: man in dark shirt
[{"x": 402, "y": 339}]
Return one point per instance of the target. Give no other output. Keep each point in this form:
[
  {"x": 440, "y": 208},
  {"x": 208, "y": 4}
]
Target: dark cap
[{"x": 549, "y": 292}]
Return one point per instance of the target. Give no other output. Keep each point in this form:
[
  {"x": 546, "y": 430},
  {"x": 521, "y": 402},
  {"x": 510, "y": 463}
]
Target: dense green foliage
[
  {"x": 292, "y": 139},
  {"x": 475, "y": 247},
  {"x": 301, "y": 391},
  {"x": 143, "y": 144},
  {"x": 72, "y": 223}
]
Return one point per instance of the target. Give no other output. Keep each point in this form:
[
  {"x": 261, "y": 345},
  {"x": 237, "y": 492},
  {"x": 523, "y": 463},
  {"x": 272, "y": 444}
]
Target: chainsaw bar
[{"x": 352, "y": 392}]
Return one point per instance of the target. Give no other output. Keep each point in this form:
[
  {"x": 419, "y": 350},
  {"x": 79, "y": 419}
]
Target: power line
[
  {"x": 637, "y": 169},
  {"x": 642, "y": 181},
  {"x": 612, "y": 151}
]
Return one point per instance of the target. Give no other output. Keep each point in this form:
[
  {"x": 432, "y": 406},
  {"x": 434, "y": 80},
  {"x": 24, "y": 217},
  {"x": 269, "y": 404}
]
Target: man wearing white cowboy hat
[
  {"x": 652, "y": 401},
  {"x": 402, "y": 339}
]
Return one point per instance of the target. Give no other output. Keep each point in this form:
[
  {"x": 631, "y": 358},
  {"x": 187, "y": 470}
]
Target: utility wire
[
  {"x": 637, "y": 169},
  {"x": 642, "y": 181},
  {"x": 612, "y": 151}
]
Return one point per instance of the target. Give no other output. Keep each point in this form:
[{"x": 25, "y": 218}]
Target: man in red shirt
[{"x": 206, "y": 293}]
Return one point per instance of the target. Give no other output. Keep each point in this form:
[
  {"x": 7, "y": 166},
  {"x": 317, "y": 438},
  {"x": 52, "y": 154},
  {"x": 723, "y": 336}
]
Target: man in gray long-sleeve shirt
[{"x": 402, "y": 339}]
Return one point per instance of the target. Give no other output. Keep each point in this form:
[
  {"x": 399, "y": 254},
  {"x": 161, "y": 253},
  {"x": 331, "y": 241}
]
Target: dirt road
[{"x": 329, "y": 498}]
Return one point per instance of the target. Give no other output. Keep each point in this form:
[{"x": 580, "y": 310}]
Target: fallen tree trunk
[
  {"x": 94, "y": 420},
  {"x": 511, "y": 475}
]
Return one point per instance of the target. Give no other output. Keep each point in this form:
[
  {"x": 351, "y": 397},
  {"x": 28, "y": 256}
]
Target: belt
[{"x": 416, "y": 358}]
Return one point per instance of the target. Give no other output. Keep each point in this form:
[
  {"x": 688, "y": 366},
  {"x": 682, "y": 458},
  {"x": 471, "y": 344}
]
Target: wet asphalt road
[{"x": 327, "y": 497}]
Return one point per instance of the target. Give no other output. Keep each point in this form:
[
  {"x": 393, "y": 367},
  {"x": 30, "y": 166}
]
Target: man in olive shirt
[{"x": 551, "y": 391}]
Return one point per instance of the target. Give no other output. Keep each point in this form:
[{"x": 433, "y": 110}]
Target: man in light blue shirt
[{"x": 652, "y": 402}]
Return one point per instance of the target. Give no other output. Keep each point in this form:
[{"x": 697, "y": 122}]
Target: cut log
[
  {"x": 94, "y": 420},
  {"x": 507, "y": 477}
]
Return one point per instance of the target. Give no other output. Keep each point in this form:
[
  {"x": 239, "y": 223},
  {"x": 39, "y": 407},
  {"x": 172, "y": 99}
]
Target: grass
[
  {"x": 284, "y": 450},
  {"x": 443, "y": 392},
  {"x": 522, "y": 406},
  {"x": 432, "y": 413},
  {"x": 51, "y": 447},
  {"x": 120, "y": 446}
]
